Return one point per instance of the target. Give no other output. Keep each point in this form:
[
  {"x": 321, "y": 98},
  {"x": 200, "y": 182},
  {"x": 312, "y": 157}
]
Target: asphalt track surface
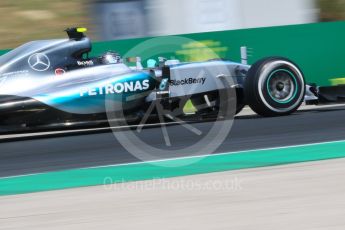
[{"x": 248, "y": 132}]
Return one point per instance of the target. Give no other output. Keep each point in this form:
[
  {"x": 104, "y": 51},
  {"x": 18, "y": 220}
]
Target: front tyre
[{"x": 274, "y": 87}]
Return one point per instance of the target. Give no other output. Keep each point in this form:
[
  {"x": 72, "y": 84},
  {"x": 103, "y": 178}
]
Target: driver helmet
[{"x": 110, "y": 57}]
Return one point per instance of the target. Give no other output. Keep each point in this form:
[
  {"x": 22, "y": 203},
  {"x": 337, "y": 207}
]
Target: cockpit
[
  {"x": 44, "y": 57},
  {"x": 83, "y": 47}
]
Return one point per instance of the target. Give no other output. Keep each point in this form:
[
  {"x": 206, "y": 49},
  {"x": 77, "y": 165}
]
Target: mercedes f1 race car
[{"x": 55, "y": 82}]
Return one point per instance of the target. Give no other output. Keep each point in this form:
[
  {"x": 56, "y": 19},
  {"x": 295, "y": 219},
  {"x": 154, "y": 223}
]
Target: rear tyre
[{"x": 274, "y": 87}]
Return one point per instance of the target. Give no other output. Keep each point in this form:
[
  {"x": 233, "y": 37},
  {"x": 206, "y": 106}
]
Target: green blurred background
[
  {"x": 25, "y": 20},
  {"x": 317, "y": 48},
  {"x": 331, "y": 10}
]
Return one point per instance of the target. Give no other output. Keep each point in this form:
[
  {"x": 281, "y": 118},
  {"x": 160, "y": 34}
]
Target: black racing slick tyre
[{"x": 274, "y": 87}]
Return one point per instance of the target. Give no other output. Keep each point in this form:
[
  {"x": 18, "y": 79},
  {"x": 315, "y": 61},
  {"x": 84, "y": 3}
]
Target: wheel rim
[{"x": 282, "y": 86}]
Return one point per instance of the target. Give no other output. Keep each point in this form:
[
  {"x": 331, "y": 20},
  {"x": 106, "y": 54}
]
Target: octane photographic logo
[{"x": 172, "y": 127}]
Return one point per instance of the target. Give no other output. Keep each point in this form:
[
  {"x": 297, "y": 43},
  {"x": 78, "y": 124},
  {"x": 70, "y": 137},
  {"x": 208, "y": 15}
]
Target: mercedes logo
[{"x": 39, "y": 62}]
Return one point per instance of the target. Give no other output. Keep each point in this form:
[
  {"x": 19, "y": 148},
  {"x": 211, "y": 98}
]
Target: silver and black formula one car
[{"x": 56, "y": 82}]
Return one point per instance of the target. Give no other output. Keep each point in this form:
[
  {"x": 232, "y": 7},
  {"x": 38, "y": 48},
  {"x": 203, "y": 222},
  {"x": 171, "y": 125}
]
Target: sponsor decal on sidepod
[
  {"x": 117, "y": 88},
  {"x": 187, "y": 81}
]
